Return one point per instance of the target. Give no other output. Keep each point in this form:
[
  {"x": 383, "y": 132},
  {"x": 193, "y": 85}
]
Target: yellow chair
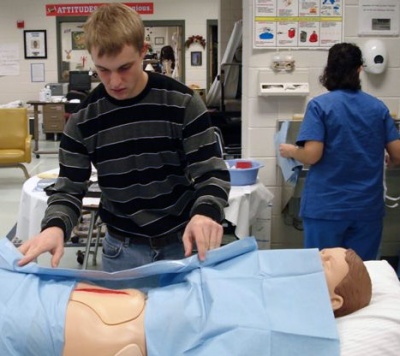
[{"x": 15, "y": 140}]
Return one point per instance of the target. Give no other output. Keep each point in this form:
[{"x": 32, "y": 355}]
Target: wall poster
[
  {"x": 9, "y": 59},
  {"x": 378, "y": 18},
  {"x": 35, "y": 44},
  {"x": 297, "y": 23}
]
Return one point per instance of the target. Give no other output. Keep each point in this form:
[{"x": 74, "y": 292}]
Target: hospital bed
[
  {"x": 374, "y": 330},
  {"x": 371, "y": 331}
]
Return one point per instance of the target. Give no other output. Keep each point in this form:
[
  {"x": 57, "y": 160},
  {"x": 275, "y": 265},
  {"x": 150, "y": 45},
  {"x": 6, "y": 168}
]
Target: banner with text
[{"x": 143, "y": 8}]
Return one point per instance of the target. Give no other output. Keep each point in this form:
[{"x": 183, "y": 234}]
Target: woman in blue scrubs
[{"x": 343, "y": 138}]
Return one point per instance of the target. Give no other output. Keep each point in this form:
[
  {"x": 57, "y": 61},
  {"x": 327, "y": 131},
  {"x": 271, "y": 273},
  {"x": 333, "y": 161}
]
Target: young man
[
  {"x": 343, "y": 138},
  {"x": 239, "y": 300},
  {"x": 162, "y": 179}
]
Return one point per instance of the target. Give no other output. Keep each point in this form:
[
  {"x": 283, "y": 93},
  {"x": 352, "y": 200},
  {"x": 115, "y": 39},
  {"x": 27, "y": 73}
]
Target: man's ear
[
  {"x": 336, "y": 301},
  {"x": 144, "y": 49}
]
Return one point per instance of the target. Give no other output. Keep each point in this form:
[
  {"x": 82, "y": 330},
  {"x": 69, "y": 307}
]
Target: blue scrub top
[{"x": 347, "y": 182}]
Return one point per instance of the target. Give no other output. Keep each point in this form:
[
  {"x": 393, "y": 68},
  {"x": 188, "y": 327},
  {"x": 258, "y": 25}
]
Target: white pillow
[{"x": 375, "y": 329}]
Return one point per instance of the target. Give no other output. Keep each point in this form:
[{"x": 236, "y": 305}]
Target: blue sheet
[
  {"x": 32, "y": 309},
  {"x": 290, "y": 167},
  {"x": 239, "y": 301},
  {"x": 258, "y": 303},
  {"x": 133, "y": 278}
]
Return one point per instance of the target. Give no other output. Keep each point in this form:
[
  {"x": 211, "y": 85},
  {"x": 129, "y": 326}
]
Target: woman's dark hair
[
  {"x": 167, "y": 53},
  {"x": 342, "y": 69}
]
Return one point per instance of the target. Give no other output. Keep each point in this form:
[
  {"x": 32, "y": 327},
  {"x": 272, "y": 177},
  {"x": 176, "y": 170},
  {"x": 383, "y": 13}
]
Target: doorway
[
  {"x": 161, "y": 33},
  {"x": 212, "y": 51},
  {"x": 70, "y": 56}
]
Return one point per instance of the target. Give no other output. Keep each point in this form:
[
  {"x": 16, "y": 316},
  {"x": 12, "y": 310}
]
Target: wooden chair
[{"x": 15, "y": 140}]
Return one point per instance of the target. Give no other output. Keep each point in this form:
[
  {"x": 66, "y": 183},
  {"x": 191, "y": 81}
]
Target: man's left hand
[{"x": 204, "y": 232}]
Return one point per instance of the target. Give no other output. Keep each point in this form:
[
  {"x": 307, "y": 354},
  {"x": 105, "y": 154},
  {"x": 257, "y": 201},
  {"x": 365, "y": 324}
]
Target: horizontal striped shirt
[{"x": 156, "y": 157}]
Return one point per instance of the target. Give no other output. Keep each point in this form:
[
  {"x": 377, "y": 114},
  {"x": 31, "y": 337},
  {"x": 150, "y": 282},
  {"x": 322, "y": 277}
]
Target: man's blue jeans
[{"x": 120, "y": 255}]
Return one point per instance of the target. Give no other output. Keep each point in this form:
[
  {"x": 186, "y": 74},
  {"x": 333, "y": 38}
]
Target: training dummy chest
[{"x": 105, "y": 322}]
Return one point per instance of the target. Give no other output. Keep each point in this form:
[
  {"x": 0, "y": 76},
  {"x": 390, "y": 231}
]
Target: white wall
[
  {"x": 260, "y": 114},
  {"x": 195, "y": 14}
]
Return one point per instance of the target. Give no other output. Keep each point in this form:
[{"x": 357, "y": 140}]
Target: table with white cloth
[{"x": 249, "y": 211}]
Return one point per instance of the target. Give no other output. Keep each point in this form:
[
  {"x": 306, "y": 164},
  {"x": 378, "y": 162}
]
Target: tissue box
[{"x": 243, "y": 171}]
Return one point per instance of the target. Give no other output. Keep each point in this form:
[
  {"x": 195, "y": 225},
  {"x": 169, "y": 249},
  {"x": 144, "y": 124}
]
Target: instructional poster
[
  {"x": 297, "y": 23},
  {"x": 9, "y": 59}
]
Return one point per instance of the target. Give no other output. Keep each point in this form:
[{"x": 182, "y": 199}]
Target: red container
[
  {"x": 243, "y": 164},
  {"x": 242, "y": 171}
]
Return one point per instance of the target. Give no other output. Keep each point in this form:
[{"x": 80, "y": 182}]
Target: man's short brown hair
[
  {"x": 356, "y": 287},
  {"x": 112, "y": 26}
]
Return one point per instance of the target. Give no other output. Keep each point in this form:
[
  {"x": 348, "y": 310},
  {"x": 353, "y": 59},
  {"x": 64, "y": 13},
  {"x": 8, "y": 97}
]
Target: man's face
[
  {"x": 122, "y": 75},
  {"x": 335, "y": 266}
]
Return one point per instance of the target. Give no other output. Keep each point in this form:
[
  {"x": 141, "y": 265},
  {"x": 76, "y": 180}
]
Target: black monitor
[{"x": 80, "y": 80}]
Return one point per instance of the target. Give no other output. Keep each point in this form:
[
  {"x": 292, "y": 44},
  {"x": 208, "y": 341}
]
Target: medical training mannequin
[
  {"x": 100, "y": 321},
  {"x": 111, "y": 322}
]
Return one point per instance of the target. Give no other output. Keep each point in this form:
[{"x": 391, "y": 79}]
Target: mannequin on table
[{"x": 111, "y": 322}]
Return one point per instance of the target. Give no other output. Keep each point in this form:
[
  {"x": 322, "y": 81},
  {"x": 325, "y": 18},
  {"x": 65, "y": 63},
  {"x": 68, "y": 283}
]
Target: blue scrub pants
[
  {"x": 120, "y": 255},
  {"x": 364, "y": 237}
]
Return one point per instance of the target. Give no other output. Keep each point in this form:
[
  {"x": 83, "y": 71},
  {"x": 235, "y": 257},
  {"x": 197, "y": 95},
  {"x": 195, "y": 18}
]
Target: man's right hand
[{"x": 49, "y": 240}]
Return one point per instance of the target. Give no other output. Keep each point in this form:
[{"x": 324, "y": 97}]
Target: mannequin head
[{"x": 348, "y": 281}]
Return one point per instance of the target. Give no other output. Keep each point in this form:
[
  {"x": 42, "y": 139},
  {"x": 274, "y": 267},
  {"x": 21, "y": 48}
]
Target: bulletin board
[{"x": 297, "y": 23}]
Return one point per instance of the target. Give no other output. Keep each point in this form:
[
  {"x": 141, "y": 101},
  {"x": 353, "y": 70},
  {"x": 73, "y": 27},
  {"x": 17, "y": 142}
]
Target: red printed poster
[{"x": 143, "y": 8}]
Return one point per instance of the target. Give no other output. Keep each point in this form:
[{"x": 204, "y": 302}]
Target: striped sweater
[{"x": 156, "y": 158}]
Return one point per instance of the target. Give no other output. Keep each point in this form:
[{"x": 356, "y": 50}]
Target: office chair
[
  {"x": 71, "y": 107},
  {"x": 15, "y": 140},
  {"x": 76, "y": 94},
  {"x": 220, "y": 141}
]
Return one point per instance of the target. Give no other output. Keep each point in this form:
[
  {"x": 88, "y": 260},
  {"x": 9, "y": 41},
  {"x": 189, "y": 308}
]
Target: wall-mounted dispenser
[
  {"x": 375, "y": 56},
  {"x": 282, "y": 62},
  {"x": 272, "y": 83}
]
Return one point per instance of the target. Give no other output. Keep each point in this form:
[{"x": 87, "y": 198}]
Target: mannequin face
[{"x": 336, "y": 268}]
